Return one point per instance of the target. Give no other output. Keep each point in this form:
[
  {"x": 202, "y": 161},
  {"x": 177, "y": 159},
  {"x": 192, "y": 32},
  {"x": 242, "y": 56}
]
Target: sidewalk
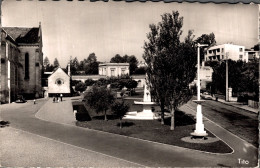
[{"x": 239, "y": 105}]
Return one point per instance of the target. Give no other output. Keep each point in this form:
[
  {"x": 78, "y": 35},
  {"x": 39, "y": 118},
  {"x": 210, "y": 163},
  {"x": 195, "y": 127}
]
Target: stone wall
[{"x": 33, "y": 84}]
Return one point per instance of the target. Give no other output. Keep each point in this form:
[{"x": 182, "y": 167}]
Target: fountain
[{"x": 147, "y": 113}]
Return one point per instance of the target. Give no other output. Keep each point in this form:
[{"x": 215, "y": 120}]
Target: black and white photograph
[{"x": 129, "y": 84}]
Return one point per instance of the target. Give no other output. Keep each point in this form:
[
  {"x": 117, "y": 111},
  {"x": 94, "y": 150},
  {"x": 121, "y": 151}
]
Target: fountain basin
[{"x": 144, "y": 103}]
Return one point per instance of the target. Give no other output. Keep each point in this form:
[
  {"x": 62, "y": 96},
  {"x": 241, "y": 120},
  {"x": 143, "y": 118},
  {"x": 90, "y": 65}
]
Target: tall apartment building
[{"x": 231, "y": 51}]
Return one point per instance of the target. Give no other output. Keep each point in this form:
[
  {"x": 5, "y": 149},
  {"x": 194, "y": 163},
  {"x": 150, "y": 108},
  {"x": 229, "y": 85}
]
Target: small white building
[
  {"x": 59, "y": 83},
  {"x": 231, "y": 51},
  {"x": 251, "y": 54},
  {"x": 113, "y": 69}
]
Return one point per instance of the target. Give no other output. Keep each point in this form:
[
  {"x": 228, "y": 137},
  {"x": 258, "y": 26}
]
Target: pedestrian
[
  {"x": 57, "y": 98},
  {"x": 34, "y": 101},
  {"x": 61, "y": 97},
  {"x": 53, "y": 99}
]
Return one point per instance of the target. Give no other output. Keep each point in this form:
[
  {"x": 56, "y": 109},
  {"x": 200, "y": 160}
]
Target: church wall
[
  {"x": 3, "y": 77},
  {"x": 33, "y": 84},
  {"x": 9, "y": 62},
  {"x": 55, "y": 87}
]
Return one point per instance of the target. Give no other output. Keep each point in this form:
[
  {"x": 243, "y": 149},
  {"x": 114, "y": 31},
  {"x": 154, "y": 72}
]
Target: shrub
[
  {"x": 80, "y": 87},
  {"x": 120, "y": 109}
]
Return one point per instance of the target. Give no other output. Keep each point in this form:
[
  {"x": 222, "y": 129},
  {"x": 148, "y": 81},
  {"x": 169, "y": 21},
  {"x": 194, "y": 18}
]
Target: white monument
[{"x": 147, "y": 113}]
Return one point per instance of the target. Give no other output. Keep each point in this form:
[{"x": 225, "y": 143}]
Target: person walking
[
  {"x": 57, "y": 98},
  {"x": 61, "y": 97}
]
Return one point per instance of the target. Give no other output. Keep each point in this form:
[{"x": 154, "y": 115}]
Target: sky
[{"x": 79, "y": 28}]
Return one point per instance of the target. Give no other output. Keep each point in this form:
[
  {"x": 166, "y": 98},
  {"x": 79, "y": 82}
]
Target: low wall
[{"x": 253, "y": 104}]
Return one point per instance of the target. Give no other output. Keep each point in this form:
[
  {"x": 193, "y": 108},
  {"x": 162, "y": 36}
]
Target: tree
[
  {"x": 208, "y": 39},
  {"x": 256, "y": 47},
  {"x": 132, "y": 60},
  {"x": 91, "y": 64},
  {"x": 89, "y": 82},
  {"x": 140, "y": 71},
  {"x": 91, "y": 58},
  {"x": 80, "y": 87},
  {"x": 131, "y": 84},
  {"x": 171, "y": 64},
  {"x": 46, "y": 62},
  {"x": 100, "y": 98},
  {"x": 117, "y": 59},
  {"x": 56, "y": 63},
  {"x": 120, "y": 109},
  {"x": 132, "y": 63},
  {"x": 74, "y": 66},
  {"x": 235, "y": 76}
]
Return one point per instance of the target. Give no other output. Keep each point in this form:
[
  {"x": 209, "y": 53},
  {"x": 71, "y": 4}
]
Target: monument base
[{"x": 143, "y": 115}]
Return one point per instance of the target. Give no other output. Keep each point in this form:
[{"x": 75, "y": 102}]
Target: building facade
[
  {"x": 251, "y": 55},
  {"x": 230, "y": 51},
  {"x": 58, "y": 83},
  {"x": 113, "y": 69},
  {"x": 21, "y": 63}
]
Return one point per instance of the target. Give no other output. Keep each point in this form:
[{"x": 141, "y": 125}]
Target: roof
[
  {"x": 56, "y": 69},
  {"x": 23, "y": 35},
  {"x": 114, "y": 64}
]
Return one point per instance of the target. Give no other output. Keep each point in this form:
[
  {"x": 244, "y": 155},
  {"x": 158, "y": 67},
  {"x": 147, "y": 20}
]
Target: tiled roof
[{"x": 23, "y": 35}]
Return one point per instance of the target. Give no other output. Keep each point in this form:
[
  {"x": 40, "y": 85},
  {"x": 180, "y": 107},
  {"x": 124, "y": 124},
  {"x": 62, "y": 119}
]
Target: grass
[{"x": 152, "y": 130}]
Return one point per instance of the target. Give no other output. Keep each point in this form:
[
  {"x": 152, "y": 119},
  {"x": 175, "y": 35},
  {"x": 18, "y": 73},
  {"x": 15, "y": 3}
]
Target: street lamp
[
  {"x": 199, "y": 129},
  {"x": 227, "y": 90}
]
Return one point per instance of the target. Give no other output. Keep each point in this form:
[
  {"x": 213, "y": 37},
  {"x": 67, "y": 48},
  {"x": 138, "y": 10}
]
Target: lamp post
[
  {"x": 199, "y": 129},
  {"x": 227, "y": 90}
]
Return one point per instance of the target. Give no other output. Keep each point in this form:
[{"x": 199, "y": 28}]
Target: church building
[
  {"x": 21, "y": 63},
  {"x": 59, "y": 83}
]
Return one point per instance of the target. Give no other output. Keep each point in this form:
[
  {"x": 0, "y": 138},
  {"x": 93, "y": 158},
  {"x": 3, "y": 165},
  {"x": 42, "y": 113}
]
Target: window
[
  {"x": 2, "y": 60},
  {"x": 59, "y": 81},
  {"x": 37, "y": 64},
  {"x": 240, "y": 56},
  {"x": 26, "y": 68},
  {"x": 240, "y": 49},
  {"x": 222, "y": 50},
  {"x": 122, "y": 71},
  {"x": 112, "y": 72},
  {"x": 210, "y": 51},
  {"x": 218, "y": 50}
]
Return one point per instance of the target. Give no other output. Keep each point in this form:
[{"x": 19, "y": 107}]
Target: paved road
[
  {"x": 123, "y": 150},
  {"x": 238, "y": 121}
]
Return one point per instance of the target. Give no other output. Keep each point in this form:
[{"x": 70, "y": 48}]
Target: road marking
[
  {"x": 222, "y": 128},
  {"x": 81, "y": 148}
]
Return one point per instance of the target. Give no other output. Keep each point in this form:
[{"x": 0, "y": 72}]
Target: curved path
[{"x": 55, "y": 121}]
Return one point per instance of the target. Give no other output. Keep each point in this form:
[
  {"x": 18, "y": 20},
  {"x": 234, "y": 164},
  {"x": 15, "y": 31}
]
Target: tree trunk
[
  {"x": 172, "y": 119},
  {"x": 105, "y": 115},
  {"x": 162, "y": 115},
  {"x": 120, "y": 123}
]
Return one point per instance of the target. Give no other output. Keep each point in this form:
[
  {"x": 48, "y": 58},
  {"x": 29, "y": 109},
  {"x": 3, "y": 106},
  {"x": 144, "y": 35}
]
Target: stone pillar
[{"x": 229, "y": 94}]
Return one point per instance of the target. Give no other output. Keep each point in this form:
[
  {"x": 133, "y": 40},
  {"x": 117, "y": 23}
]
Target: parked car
[
  {"x": 206, "y": 96},
  {"x": 20, "y": 99}
]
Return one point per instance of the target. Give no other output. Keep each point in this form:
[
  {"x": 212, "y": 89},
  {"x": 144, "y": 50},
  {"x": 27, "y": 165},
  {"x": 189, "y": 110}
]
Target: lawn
[{"x": 152, "y": 130}]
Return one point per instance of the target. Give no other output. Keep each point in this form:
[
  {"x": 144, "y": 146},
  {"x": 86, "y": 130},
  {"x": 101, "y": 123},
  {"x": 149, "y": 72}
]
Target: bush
[
  {"x": 243, "y": 98},
  {"x": 82, "y": 113},
  {"x": 80, "y": 87}
]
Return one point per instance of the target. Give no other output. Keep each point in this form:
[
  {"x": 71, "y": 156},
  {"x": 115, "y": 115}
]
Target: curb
[{"x": 237, "y": 107}]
